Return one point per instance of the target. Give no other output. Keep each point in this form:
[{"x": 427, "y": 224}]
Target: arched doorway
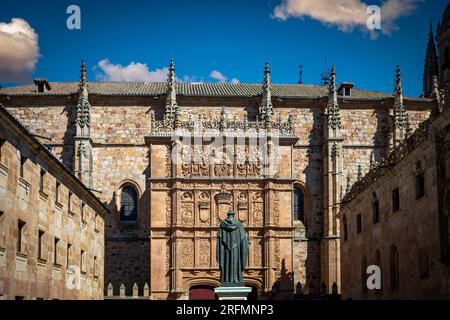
[{"x": 202, "y": 293}]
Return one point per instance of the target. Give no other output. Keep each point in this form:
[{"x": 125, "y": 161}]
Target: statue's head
[{"x": 231, "y": 214}]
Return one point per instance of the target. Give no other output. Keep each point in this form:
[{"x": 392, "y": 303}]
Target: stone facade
[
  {"x": 406, "y": 234},
  {"x": 171, "y": 243},
  {"x": 51, "y": 225}
]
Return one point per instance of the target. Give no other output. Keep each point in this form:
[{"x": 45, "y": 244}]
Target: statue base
[{"x": 232, "y": 293}]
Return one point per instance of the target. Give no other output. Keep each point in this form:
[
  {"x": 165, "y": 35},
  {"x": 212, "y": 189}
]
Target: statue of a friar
[{"x": 232, "y": 251}]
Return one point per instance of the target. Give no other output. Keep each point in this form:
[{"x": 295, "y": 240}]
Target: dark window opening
[
  {"x": 395, "y": 200},
  {"x": 20, "y": 236},
  {"x": 359, "y": 223},
  {"x": 379, "y": 264},
  {"x": 375, "y": 208},
  {"x": 55, "y": 251},
  {"x": 420, "y": 181},
  {"x": 83, "y": 271},
  {"x": 23, "y": 160},
  {"x": 58, "y": 187},
  {"x": 299, "y": 204},
  {"x": 42, "y": 180},
  {"x": 40, "y": 245},
  {"x": 69, "y": 246},
  {"x": 345, "y": 227},
  {"x": 128, "y": 204}
]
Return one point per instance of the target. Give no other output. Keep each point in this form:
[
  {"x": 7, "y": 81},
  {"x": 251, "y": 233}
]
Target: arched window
[
  {"x": 393, "y": 261},
  {"x": 375, "y": 208},
  {"x": 299, "y": 204},
  {"x": 420, "y": 181},
  {"x": 128, "y": 204},
  {"x": 379, "y": 264}
]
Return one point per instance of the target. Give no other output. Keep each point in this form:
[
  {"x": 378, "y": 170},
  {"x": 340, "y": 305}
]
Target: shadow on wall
[
  {"x": 284, "y": 285},
  {"x": 67, "y": 154},
  {"x": 314, "y": 183}
]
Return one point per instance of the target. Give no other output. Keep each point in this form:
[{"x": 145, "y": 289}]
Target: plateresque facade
[{"x": 140, "y": 147}]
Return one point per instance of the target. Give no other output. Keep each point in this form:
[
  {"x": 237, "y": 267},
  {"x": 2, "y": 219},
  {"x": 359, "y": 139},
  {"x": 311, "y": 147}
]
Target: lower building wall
[
  {"x": 51, "y": 246},
  {"x": 406, "y": 244}
]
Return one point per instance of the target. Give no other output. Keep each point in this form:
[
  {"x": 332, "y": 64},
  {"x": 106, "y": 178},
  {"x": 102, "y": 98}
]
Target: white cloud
[
  {"x": 345, "y": 14},
  {"x": 140, "y": 72},
  {"x": 220, "y": 77},
  {"x": 19, "y": 51},
  {"x": 134, "y": 72}
]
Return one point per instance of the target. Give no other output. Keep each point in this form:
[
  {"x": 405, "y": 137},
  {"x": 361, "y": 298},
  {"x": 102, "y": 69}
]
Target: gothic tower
[{"x": 431, "y": 65}]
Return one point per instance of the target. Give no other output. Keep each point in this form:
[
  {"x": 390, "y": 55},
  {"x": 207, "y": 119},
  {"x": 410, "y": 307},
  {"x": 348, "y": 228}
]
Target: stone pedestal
[{"x": 232, "y": 293}]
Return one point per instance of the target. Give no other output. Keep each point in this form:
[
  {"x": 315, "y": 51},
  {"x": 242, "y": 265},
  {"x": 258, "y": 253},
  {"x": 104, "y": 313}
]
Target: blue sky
[{"x": 232, "y": 37}]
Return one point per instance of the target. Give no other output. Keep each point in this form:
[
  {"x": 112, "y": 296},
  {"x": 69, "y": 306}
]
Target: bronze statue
[{"x": 232, "y": 251}]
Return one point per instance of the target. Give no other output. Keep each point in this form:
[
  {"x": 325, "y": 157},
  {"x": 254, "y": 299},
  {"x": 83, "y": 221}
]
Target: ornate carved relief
[
  {"x": 168, "y": 161},
  {"x": 276, "y": 258},
  {"x": 187, "y": 253},
  {"x": 204, "y": 253},
  {"x": 168, "y": 265},
  {"x": 276, "y": 208},
  {"x": 257, "y": 253},
  {"x": 169, "y": 210},
  {"x": 187, "y": 209},
  {"x": 242, "y": 206},
  {"x": 204, "y": 208},
  {"x": 258, "y": 209}
]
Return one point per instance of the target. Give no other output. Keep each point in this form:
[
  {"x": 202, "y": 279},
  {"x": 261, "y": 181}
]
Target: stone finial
[
  {"x": 436, "y": 95},
  {"x": 334, "y": 288},
  {"x": 360, "y": 174},
  {"x": 83, "y": 75},
  {"x": 373, "y": 162},
  {"x": 347, "y": 190},
  {"x": 399, "y": 108},
  {"x": 172, "y": 109},
  {"x": 135, "y": 290},
  {"x": 110, "y": 290},
  {"x": 83, "y": 106},
  {"x": 266, "y": 108},
  {"x": 146, "y": 290},
  {"x": 122, "y": 290},
  {"x": 333, "y": 112}
]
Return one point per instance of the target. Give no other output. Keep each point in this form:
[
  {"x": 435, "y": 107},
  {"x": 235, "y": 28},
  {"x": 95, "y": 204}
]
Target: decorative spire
[
  {"x": 347, "y": 190},
  {"x": 83, "y": 106},
  {"x": 399, "y": 108},
  {"x": 334, "y": 118},
  {"x": 325, "y": 75},
  {"x": 360, "y": 175},
  {"x": 300, "y": 74},
  {"x": 431, "y": 65},
  {"x": 266, "y": 109},
  {"x": 435, "y": 93},
  {"x": 172, "y": 109},
  {"x": 372, "y": 160},
  {"x": 83, "y": 76}
]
